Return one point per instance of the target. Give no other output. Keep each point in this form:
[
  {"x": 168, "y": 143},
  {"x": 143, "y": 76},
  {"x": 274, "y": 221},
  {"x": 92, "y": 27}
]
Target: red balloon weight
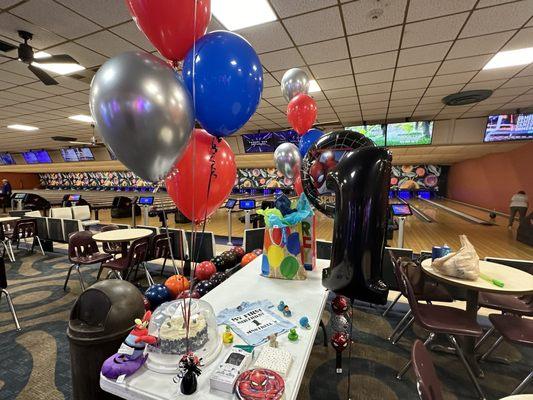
[
  {"x": 340, "y": 305},
  {"x": 204, "y": 270},
  {"x": 339, "y": 341},
  {"x": 169, "y": 24},
  {"x": 186, "y": 187},
  {"x": 301, "y": 113}
]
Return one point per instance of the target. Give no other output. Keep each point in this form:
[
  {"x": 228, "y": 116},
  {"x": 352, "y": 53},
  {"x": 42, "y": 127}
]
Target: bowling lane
[{"x": 471, "y": 211}]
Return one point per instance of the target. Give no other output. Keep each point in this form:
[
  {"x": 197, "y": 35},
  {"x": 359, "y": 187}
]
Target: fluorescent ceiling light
[
  {"x": 61, "y": 69},
  {"x": 313, "y": 86},
  {"x": 511, "y": 58},
  {"x": 238, "y": 14},
  {"x": 82, "y": 118},
  {"x": 20, "y": 127}
]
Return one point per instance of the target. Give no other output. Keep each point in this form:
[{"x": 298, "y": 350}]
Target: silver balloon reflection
[
  {"x": 288, "y": 160},
  {"x": 143, "y": 112},
  {"x": 294, "y": 82}
]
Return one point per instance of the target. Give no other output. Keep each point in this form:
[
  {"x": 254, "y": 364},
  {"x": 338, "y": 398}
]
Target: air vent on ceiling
[{"x": 467, "y": 97}]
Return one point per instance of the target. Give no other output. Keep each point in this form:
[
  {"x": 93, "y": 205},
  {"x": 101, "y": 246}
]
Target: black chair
[
  {"x": 3, "y": 290},
  {"x": 389, "y": 277},
  {"x": 428, "y": 384},
  {"x": 203, "y": 246},
  {"x": 253, "y": 239},
  {"x": 323, "y": 249},
  {"x": 24, "y": 229},
  {"x": 112, "y": 248},
  {"x": 136, "y": 256},
  {"x": 6, "y": 244}
]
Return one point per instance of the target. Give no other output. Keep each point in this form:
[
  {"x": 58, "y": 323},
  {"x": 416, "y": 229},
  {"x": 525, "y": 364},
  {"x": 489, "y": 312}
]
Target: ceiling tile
[
  {"x": 485, "y": 85},
  {"x": 336, "y": 83},
  {"x": 344, "y": 101},
  {"x": 270, "y": 92},
  {"x": 377, "y": 105},
  {"x": 267, "y": 37},
  {"x": 497, "y": 73},
  {"x": 408, "y": 94},
  {"x": 527, "y": 71},
  {"x": 326, "y": 24},
  {"x": 374, "y": 42},
  {"x": 106, "y": 43},
  {"x": 510, "y": 91},
  {"x": 330, "y": 50},
  {"x": 424, "y": 9},
  {"x": 288, "y": 8},
  {"x": 374, "y": 77},
  {"x": 55, "y": 18},
  {"x": 131, "y": 33},
  {"x": 452, "y": 79},
  {"x": 279, "y": 74},
  {"x": 103, "y": 12},
  {"x": 17, "y": 67},
  {"x": 433, "y": 31},
  {"x": 268, "y": 80},
  {"x": 479, "y": 45},
  {"x": 84, "y": 56},
  {"x": 423, "y": 54},
  {"x": 464, "y": 64},
  {"x": 283, "y": 59},
  {"x": 499, "y": 18},
  {"x": 411, "y": 83},
  {"x": 416, "y": 71},
  {"x": 444, "y": 90},
  {"x": 339, "y": 93},
  {"x": 374, "y": 62},
  {"x": 359, "y": 15},
  {"x": 374, "y": 88},
  {"x": 522, "y": 39},
  {"x": 329, "y": 69},
  {"x": 518, "y": 82},
  {"x": 369, "y": 98},
  {"x": 15, "y": 78},
  {"x": 42, "y": 38}
]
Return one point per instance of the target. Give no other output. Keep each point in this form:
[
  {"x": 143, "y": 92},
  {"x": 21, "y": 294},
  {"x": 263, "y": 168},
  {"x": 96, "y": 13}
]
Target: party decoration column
[
  {"x": 214, "y": 176},
  {"x": 143, "y": 112},
  {"x": 227, "y": 82},
  {"x": 171, "y": 25},
  {"x": 361, "y": 182}
]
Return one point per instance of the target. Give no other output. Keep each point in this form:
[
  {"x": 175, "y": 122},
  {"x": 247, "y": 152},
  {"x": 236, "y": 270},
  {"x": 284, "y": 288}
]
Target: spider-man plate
[{"x": 256, "y": 384}]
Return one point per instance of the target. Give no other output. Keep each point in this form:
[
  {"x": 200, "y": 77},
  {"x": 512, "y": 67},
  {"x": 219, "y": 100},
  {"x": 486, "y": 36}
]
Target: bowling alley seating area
[{"x": 266, "y": 199}]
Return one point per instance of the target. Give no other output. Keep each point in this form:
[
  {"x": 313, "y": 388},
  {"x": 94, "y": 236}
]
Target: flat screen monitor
[
  {"x": 20, "y": 196},
  {"x": 247, "y": 204},
  {"x": 508, "y": 127},
  {"x": 145, "y": 200},
  {"x": 6, "y": 159},
  {"x": 69, "y": 155},
  {"x": 74, "y": 197},
  {"x": 409, "y": 133},
  {"x": 267, "y": 192},
  {"x": 401, "y": 210},
  {"x": 424, "y": 194},
  {"x": 374, "y": 132},
  {"x": 30, "y": 157},
  {"x": 277, "y": 192},
  {"x": 84, "y": 154},
  {"x": 37, "y": 157},
  {"x": 404, "y": 194},
  {"x": 230, "y": 204}
]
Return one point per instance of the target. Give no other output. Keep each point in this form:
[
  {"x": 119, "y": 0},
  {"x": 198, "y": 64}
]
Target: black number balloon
[{"x": 360, "y": 181}]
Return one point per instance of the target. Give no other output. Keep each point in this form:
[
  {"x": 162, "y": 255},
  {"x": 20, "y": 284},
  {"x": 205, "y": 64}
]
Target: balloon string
[{"x": 156, "y": 189}]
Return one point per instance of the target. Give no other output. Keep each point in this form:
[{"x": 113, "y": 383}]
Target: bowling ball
[
  {"x": 249, "y": 257},
  {"x": 492, "y": 215},
  {"x": 228, "y": 260},
  {"x": 188, "y": 294},
  {"x": 204, "y": 270},
  {"x": 217, "y": 261},
  {"x": 258, "y": 252},
  {"x": 203, "y": 287},
  {"x": 176, "y": 284},
  {"x": 157, "y": 294},
  {"x": 218, "y": 278},
  {"x": 239, "y": 251}
]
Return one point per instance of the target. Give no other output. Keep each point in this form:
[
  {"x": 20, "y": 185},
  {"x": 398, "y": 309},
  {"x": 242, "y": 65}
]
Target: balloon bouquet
[{"x": 146, "y": 112}]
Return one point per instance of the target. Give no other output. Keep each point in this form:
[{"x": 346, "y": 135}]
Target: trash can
[{"x": 100, "y": 320}]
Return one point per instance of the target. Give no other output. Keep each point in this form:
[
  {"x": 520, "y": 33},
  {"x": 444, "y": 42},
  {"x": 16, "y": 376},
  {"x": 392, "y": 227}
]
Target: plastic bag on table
[{"x": 462, "y": 264}]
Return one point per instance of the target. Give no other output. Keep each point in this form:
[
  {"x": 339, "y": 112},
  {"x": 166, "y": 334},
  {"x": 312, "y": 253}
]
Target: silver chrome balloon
[
  {"x": 143, "y": 112},
  {"x": 294, "y": 82},
  {"x": 288, "y": 160}
]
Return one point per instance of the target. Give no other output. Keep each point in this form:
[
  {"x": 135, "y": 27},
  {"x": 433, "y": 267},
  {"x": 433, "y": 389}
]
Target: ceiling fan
[
  {"x": 26, "y": 55},
  {"x": 93, "y": 142}
]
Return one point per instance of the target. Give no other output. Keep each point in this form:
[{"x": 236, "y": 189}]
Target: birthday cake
[{"x": 173, "y": 335}]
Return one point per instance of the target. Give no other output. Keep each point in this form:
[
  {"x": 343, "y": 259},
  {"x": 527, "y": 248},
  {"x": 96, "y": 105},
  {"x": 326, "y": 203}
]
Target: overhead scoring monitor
[
  {"x": 19, "y": 196},
  {"x": 401, "y": 210},
  {"x": 247, "y": 204}
]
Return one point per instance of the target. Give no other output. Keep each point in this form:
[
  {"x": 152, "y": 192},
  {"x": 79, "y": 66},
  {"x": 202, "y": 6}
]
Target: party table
[
  {"x": 515, "y": 281},
  {"x": 305, "y": 298},
  {"x": 122, "y": 235},
  {"x": 8, "y": 219}
]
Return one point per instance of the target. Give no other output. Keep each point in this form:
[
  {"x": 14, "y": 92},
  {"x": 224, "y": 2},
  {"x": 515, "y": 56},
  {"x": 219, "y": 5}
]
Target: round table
[
  {"x": 516, "y": 282},
  {"x": 8, "y": 219},
  {"x": 122, "y": 235}
]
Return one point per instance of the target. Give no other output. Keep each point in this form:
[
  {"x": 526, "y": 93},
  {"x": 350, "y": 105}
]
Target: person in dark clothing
[{"x": 5, "y": 194}]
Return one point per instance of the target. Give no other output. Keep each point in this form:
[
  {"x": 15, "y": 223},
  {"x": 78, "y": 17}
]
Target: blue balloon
[
  {"x": 307, "y": 140},
  {"x": 228, "y": 81}
]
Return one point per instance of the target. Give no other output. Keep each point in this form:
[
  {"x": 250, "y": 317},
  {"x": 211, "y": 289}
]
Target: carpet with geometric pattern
[{"x": 35, "y": 362}]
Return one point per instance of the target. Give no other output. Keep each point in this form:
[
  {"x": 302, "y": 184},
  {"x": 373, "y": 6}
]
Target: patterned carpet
[{"x": 35, "y": 363}]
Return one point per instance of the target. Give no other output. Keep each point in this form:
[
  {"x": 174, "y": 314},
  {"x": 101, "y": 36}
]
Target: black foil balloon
[
  {"x": 361, "y": 183},
  {"x": 322, "y": 158}
]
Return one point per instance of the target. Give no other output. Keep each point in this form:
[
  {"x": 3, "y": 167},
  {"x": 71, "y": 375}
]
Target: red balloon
[
  {"x": 169, "y": 24},
  {"x": 301, "y": 113},
  {"x": 204, "y": 270},
  {"x": 188, "y": 182}
]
